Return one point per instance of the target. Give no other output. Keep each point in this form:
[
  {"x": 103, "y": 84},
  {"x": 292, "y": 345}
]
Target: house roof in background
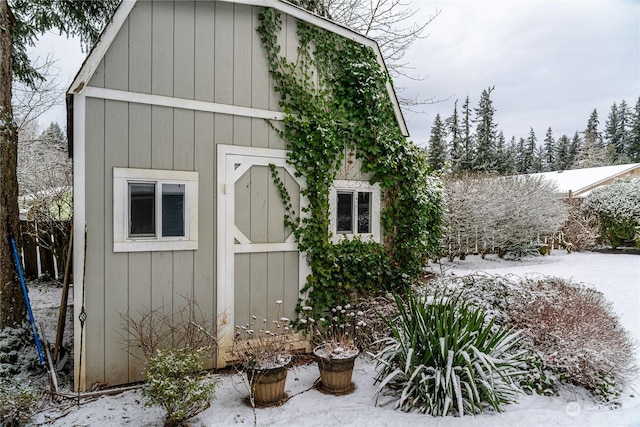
[{"x": 579, "y": 182}]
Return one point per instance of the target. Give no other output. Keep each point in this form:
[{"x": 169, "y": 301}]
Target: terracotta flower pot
[
  {"x": 267, "y": 385},
  {"x": 335, "y": 372}
]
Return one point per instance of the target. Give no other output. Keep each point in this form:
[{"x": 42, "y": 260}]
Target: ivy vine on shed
[{"x": 335, "y": 99}]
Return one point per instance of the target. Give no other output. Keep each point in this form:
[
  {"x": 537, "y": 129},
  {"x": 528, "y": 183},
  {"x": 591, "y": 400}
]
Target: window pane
[
  {"x": 173, "y": 210},
  {"x": 345, "y": 213},
  {"x": 142, "y": 207},
  {"x": 364, "y": 212}
]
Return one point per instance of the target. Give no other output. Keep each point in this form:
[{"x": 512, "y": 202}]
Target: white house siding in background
[
  {"x": 580, "y": 182},
  {"x": 177, "y": 93}
]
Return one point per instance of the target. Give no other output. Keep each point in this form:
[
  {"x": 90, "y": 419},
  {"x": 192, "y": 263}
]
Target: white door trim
[{"x": 228, "y": 156}]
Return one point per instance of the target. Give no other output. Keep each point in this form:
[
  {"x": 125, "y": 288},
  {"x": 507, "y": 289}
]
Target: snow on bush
[
  {"x": 571, "y": 329},
  {"x": 618, "y": 208},
  {"x": 445, "y": 357},
  {"x": 18, "y": 402},
  {"x": 502, "y": 215},
  {"x": 576, "y": 332}
]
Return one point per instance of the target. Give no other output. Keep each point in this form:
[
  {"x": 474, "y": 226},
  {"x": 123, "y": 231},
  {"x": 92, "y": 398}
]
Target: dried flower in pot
[
  {"x": 263, "y": 350},
  {"x": 337, "y": 349}
]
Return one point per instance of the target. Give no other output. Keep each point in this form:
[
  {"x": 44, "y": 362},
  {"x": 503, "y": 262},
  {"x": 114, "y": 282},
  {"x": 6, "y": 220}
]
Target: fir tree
[
  {"x": 633, "y": 136},
  {"x": 574, "y": 149},
  {"x": 563, "y": 156},
  {"x": 502, "y": 162},
  {"x": 549, "y": 155},
  {"x": 591, "y": 153},
  {"x": 614, "y": 133},
  {"x": 437, "y": 151},
  {"x": 452, "y": 126},
  {"x": 467, "y": 146},
  {"x": 486, "y": 132}
]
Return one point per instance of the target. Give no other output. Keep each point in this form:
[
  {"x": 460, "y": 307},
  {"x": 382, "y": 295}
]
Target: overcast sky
[{"x": 551, "y": 62}]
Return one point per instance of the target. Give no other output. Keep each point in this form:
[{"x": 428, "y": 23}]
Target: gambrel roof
[
  {"x": 100, "y": 48},
  {"x": 580, "y": 182}
]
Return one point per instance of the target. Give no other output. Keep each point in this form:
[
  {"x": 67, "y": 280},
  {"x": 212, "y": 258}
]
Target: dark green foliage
[
  {"x": 617, "y": 207},
  {"x": 445, "y": 357},
  {"x": 72, "y": 18},
  {"x": 437, "y": 149},
  {"x": 335, "y": 98}
]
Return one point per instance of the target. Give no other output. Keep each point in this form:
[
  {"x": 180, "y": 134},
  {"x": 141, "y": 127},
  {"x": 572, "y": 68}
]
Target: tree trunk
[{"x": 12, "y": 304}]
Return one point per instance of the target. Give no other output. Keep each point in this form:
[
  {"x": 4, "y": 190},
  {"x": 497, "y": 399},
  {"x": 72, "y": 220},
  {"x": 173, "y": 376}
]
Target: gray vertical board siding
[
  {"x": 116, "y": 61},
  {"x": 223, "y": 73},
  {"x": 183, "y": 159},
  {"x": 139, "y": 295},
  {"x": 260, "y": 180},
  {"x": 115, "y": 264},
  {"x": 258, "y": 304},
  {"x": 242, "y": 66},
  {"x": 275, "y": 286},
  {"x": 241, "y": 293},
  {"x": 261, "y": 86},
  {"x": 204, "y": 257},
  {"x": 94, "y": 327},
  {"x": 275, "y": 214},
  {"x": 293, "y": 188},
  {"x": 140, "y": 47},
  {"x": 139, "y": 136},
  {"x": 97, "y": 79},
  {"x": 242, "y": 203},
  {"x": 139, "y": 279},
  {"x": 184, "y": 51},
  {"x": 223, "y": 53},
  {"x": 161, "y": 137},
  {"x": 291, "y": 288},
  {"x": 162, "y": 60},
  {"x": 204, "y": 50}
]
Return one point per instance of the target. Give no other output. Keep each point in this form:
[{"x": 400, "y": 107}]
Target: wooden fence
[{"x": 44, "y": 248}]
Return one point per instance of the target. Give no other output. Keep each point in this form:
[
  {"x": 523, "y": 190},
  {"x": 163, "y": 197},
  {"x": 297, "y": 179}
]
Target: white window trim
[
  {"x": 355, "y": 186},
  {"x": 122, "y": 242}
]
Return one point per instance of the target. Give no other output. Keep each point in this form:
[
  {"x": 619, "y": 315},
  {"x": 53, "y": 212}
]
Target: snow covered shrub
[
  {"x": 618, "y": 208},
  {"x": 176, "y": 382},
  {"x": 576, "y": 333},
  {"x": 445, "y": 357},
  {"x": 503, "y": 215},
  {"x": 581, "y": 229},
  {"x": 18, "y": 402}
]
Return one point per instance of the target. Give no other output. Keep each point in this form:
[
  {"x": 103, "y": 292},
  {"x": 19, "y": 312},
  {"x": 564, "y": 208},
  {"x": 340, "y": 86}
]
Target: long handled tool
[{"x": 26, "y": 298}]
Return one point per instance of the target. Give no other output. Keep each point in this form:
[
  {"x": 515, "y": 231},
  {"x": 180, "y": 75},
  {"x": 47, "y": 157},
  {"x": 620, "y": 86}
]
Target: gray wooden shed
[{"x": 171, "y": 181}]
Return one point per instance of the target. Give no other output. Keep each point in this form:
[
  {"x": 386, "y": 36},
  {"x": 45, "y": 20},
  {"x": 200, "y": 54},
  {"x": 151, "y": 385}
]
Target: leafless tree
[{"x": 391, "y": 23}]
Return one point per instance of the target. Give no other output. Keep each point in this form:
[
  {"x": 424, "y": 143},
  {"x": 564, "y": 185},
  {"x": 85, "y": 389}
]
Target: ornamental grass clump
[
  {"x": 444, "y": 357},
  {"x": 177, "y": 382}
]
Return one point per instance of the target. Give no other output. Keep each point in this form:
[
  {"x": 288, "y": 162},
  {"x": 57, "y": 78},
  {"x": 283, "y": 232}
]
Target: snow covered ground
[{"x": 617, "y": 275}]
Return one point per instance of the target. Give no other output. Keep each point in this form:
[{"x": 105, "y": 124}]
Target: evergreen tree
[
  {"x": 520, "y": 157},
  {"x": 624, "y": 129},
  {"x": 563, "y": 156},
  {"x": 633, "y": 136},
  {"x": 510, "y": 157},
  {"x": 574, "y": 150},
  {"x": 528, "y": 153},
  {"x": 538, "y": 158},
  {"x": 486, "y": 133},
  {"x": 502, "y": 161},
  {"x": 21, "y": 22},
  {"x": 614, "y": 133},
  {"x": 437, "y": 150},
  {"x": 591, "y": 153},
  {"x": 549, "y": 155},
  {"x": 452, "y": 126},
  {"x": 467, "y": 146}
]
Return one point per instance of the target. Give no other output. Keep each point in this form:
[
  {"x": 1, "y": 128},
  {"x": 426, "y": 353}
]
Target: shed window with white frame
[
  {"x": 355, "y": 210},
  {"x": 154, "y": 210}
]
